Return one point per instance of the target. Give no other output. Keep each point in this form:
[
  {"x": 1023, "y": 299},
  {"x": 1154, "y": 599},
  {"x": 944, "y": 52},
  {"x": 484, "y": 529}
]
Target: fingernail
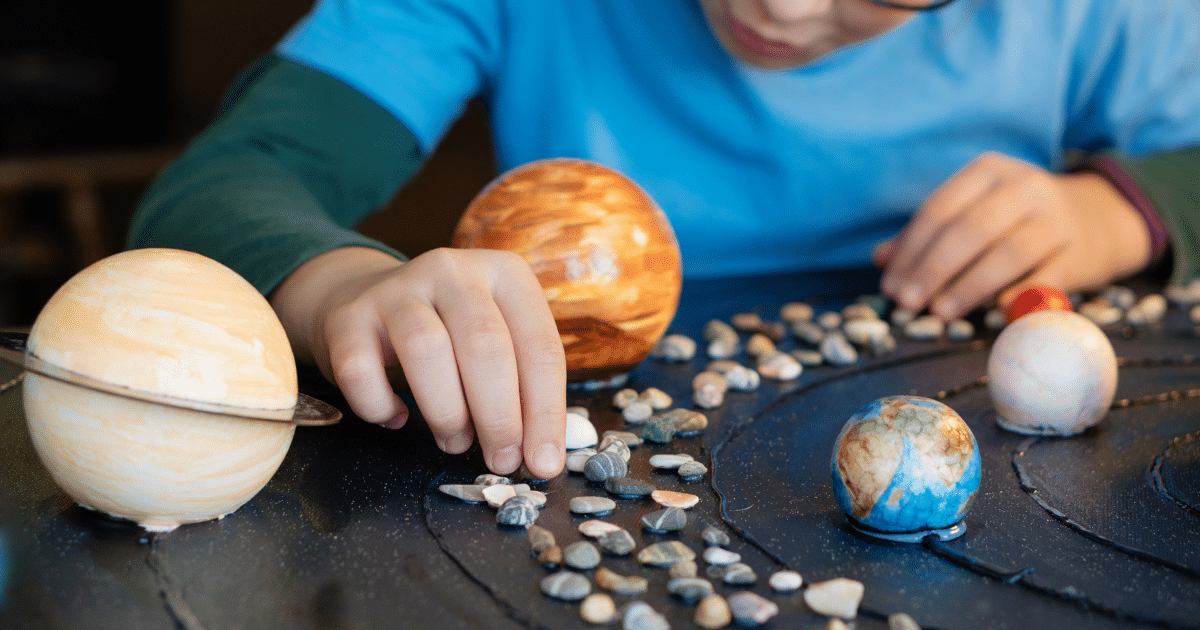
[
  {"x": 458, "y": 443},
  {"x": 398, "y": 421},
  {"x": 547, "y": 457},
  {"x": 910, "y": 296},
  {"x": 505, "y": 460},
  {"x": 946, "y": 308}
]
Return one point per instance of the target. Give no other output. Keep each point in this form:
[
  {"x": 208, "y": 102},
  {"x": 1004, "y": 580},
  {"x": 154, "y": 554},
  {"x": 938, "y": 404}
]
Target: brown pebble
[
  {"x": 759, "y": 344},
  {"x": 540, "y": 539},
  {"x": 620, "y": 584},
  {"x": 684, "y": 569},
  {"x": 775, "y": 331},
  {"x": 713, "y": 612},
  {"x": 669, "y": 498},
  {"x": 793, "y": 312},
  {"x": 623, "y": 397},
  {"x": 552, "y": 556},
  {"x": 598, "y": 609},
  {"x": 656, "y": 398},
  {"x": 746, "y": 322}
]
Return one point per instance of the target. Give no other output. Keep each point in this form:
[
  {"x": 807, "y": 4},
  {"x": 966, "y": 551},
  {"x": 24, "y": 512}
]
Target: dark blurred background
[{"x": 95, "y": 97}]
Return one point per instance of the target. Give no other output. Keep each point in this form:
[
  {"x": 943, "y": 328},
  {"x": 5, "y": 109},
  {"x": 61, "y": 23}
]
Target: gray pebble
[
  {"x": 683, "y": 568},
  {"x": 902, "y": 316},
  {"x": 637, "y": 412},
  {"x": 1119, "y": 296},
  {"x": 601, "y": 466},
  {"x": 960, "y": 330},
  {"x": 618, "y": 446},
  {"x": 743, "y": 379},
  {"x": 641, "y": 616},
  {"x": 882, "y": 346},
  {"x": 669, "y": 461},
  {"x": 690, "y": 589},
  {"x": 582, "y": 555},
  {"x": 902, "y": 621},
  {"x": 751, "y": 609},
  {"x": 659, "y": 429},
  {"x": 591, "y": 505},
  {"x": 674, "y": 347},
  {"x": 691, "y": 471},
  {"x": 739, "y": 573},
  {"x": 629, "y": 438},
  {"x": 465, "y": 492},
  {"x": 995, "y": 319},
  {"x": 577, "y": 458},
  {"x": 665, "y": 554},
  {"x": 628, "y": 488},
  {"x": 618, "y": 543},
  {"x": 808, "y": 332},
  {"x": 665, "y": 520},
  {"x": 837, "y": 350},
  {"x": 517, "y": 511},
  {"x": 829, "y": 320},
  {"x": 1184, "y": 295},
  {"x": 488, "y": 479},
  {"x": 566, "y": 585},
  {"x": 808, "y": 358},
  {"x": 714, "y": 535},
  {"x": 624, "y": 397}
]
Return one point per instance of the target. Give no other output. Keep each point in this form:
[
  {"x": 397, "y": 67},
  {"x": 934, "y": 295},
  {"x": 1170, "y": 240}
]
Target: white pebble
[
  {"x": 1101, "y": 312},
  {"x": 837, "y": 350},
  {"x": 596, "y": 528},
  {"x": 580, "y": 432},
  {"x": 829, "y": 320},
  {"x": 674, "y": 347},
  {"x": 637, "y": 412},
  {"x": 577, "y": 458},
  {"x": 863, "y": 331},
  {"x": 624, "y": 397},
  {"x": 1119, "y": 296},
  {"x": 838, "y": 597},
  {"x": 537, "y": 497},
  {"x": 742, "y": 379},
  {"x": 496, "y": 495},
  {"x": 1148, "y": 310},
  {"x": 960, "y": 330},
  {"x": 598, "y": 609},
  {"x": 1184, "y": 294},
  {"x": 721, "y": 556},
  {"x": 780, "y": 366},
  {"x": 785, "y": 580},
  {"x": 669, "y": 461},
  {"x": 902, "y": 621},
  {"x": 902, "y": 316},
  {"x": 924, "y": 328}
]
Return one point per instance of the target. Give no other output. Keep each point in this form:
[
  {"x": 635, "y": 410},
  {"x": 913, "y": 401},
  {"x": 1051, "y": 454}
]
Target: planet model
[
  {"x": 1037, "y": 298},
  {"x": 603, "y": 251},
  {"x": 148, "y": 326},
  {"x": 906, "y": 467},
  {"x": 1051, "y": 373}
]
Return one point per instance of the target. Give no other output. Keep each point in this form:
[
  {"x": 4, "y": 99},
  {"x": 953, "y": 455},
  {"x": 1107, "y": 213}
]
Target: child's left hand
[{"x": 1001, "y": 225}]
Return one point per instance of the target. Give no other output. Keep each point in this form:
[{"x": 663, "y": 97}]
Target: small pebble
[
  {"x": 670, "y": 498},
  {"x": 690, "y": 589},
  {"x": 686, "y": 421},
  {"x": 613, "y": 445},
  {"x": 708, "y": 390},
  {"x": 793, "y": 312},
  {"x": 902, "y": 621},
  {"x": 464, "y": 492},
  {"x": 674, "y": 347},
  {"x": 637, "y": 412},
  {"x": 902, "y": 316},
  {"x": 566, "y": 585},
  {"x": 1185, "y": 295},
  {"x": 517, "y": 511},
  {"x": 669, "y": 519},
  {"x": 656, "y": 398},
  {"x": 537, "y": 497},
  {"x": 1194, "y": 314},
  {"x": 620, "y": 584},
  {"x": 808, "y": 358},
  {"x": 669, "y": 461},
  {"x": 581, "y": 555},
  {"x": 578, "y": 458},
  {"x": 746, "y": 322},
  {"x": 722, "y": 339},
  {"x": 829, "y": 320},
  {"x": 540, "y": 539},
  {"x": 664, "y": 554},
  {"x": 714, "y": 535},
  {"x": 641, "y": 616},
  {"x": 995, "y": 319},
  {"x": 838, "y": 597},
  {"x": 759, "y": 344},
  {"x": 596, "y": 528},
  {"x": 629, "y": 438},
  {"x": 591, "y": 505},
  {"x": 580, "y": 432},
  {"x": 659, "y": 429},
  {"x": 859, "y": 311},
  {"x": 960, "y": 330},
  {"x": 925, "y": 328},
  {"x": 837, "y": 350},
  {"x": 601, "y": 466},
  {"x": 738, "y": 573},
  {"x": 683, "y": 569},
  {"x": 785, "y": 580},
  {"x": 713, "y": 612},
  {"x": 496, "y": 495},
  {"x": 779, "y": 366},
  {"x": 751, "y": 609},
  {"x": 618, "y": 542},
  {"x": 1101, "y": 312},
  {"x": 862, "y": 331},
  {"x": 488, "y": 479},
  {"x": 775, "y": 331},
  {"x": 836, "y": 624},
  {"x": 1119, "y": 296},
  {"x": 624, "y": 397},
  {"x": 1148, "y": 310},
  {"x": 877, "y": 302},
  {"x": 582, "y": 411},
  {"x": 721, "y": 556},
  {"x": 691, "y": 471},
  {"x": 598, "y": 609},
  {"x": 551, "y": 556},
  {"x": 742, "y": 379},
  {"x": 628, "y": 488},
  {"x": 884, "y": 345},
  {"x": 808, "y": 332}
]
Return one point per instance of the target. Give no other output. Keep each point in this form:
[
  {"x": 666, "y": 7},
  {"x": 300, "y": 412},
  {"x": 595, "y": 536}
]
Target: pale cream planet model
[
  {"x": 1051, "y": 373},
  {"x": 603, "y": 251},
  {"x": 161, "y": 388}
]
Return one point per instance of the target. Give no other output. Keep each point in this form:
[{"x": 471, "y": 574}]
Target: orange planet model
[
  {"x": 604, "y": 252},
  {"x": 1037, "y": 298}
]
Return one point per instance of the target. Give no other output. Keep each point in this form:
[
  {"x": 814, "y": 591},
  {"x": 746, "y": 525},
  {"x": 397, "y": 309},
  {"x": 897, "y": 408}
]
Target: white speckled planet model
[
  {"x": 1051, "y": 373},
  {"x": 171, "y": 323}
]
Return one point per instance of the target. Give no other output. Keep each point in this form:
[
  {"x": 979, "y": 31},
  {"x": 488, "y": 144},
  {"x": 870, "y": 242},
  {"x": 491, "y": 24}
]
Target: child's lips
[{"x": 759, "y": 45}]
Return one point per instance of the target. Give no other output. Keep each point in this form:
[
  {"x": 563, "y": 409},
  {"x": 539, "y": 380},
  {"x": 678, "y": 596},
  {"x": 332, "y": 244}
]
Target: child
[{"x": 776, "y": 135}]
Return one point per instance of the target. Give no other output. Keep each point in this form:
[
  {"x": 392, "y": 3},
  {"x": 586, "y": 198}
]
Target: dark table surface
[{"x": 1098, "y": 531}]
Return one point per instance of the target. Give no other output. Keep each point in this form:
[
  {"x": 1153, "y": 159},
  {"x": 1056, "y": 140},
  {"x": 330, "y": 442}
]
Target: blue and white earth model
[{"x": 905, "y": 467}]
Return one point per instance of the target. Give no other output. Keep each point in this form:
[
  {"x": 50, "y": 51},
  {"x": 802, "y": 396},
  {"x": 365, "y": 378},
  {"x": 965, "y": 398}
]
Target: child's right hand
[{"x": 471, "y": 329}]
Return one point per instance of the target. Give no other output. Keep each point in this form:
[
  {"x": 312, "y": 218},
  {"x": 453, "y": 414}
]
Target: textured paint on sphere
[
  {"x": 155, "y": 465},
  {"x": 169, "y": 322},
  {"x": 905, "y": 464},
  {"x": 1037, "y": 298},
  {"x": 603, "y": 251},
  {"x": 1052, "y": 373}
]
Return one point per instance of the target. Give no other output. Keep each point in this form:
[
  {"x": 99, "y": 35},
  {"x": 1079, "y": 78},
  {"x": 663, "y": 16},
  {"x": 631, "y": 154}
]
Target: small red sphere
[{"x": 1037, "y": 298}]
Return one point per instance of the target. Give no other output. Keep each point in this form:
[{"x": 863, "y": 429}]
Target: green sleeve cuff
[
  {"x": 294, "y": 160},
  {"x": 1171, "y": 181}
]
